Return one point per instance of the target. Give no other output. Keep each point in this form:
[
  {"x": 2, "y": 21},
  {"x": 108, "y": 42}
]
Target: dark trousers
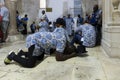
[
  {"x": 77, "y": 39},
  {"x": 32, "y": 30},
  {"x": 1, "y": 34},
  {"x": 98, "y": 35},
  {"x": 29, "y": 60},
  {"x": 24, "y": 32}
]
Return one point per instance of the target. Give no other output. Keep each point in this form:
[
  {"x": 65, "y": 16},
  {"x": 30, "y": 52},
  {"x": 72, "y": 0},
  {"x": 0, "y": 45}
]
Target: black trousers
[
  {"x": 98, "y": 35},
  {"x": 77, "y": 39},
  {"x": 29, "y": 60},
  {"x": 24, "y": 32}
]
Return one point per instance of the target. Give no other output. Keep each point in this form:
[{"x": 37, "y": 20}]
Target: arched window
[{"x": 43, "y": 4}]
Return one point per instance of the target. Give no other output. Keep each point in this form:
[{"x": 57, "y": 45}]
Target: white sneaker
[{"x": 19, "y": 49}]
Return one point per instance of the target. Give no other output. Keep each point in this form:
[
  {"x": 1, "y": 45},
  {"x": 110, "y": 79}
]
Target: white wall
[
  {"x": 59, "y": 8},
  {"x": 2, "y": 1}
]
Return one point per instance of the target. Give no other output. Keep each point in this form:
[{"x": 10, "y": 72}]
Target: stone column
[
  {"x": 111, "y": 29},
  {"x": 12, "y": 9},
  {"x": 12, "y": 31}
]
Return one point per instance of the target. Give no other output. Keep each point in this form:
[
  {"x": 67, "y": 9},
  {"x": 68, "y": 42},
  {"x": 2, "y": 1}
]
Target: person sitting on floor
[
  {"x": 78, "y": 39},
  {"x": 88, "y": 33}
]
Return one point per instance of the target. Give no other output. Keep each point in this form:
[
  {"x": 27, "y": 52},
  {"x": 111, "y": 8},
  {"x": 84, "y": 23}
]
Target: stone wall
[
  {"x": 111, "y": 29},
  {"x": 88, "y": 5},
  {"x": 30, "y": 7}
]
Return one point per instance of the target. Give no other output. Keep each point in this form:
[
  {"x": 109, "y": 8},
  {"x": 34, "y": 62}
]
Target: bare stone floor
[{"x": 97, "y": 66}]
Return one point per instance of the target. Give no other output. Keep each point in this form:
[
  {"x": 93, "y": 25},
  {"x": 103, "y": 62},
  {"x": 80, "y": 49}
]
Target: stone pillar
[
  {"x": 11, "y": 5},
  {"x": 12, "y": 31},
  {"x": 111, "y": 28},
  {"x": 12, "y": 9}
]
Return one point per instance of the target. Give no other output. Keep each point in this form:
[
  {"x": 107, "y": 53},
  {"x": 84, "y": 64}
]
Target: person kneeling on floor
[{"x": 40, "y": 43}]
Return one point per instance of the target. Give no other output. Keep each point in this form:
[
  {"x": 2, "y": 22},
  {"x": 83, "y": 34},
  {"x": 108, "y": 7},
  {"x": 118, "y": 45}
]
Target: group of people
[
  {"x": 95, "y": 19},
  {"x": 57, "y": 39},
  {"x": 4, "y": 22},
  {"x": 43, "y": 23},
  {"x": 21, "y": 23},
  {"x": 45, "y": 42}
]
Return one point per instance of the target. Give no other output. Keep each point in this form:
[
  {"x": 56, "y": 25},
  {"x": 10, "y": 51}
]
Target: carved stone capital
[{"x": 115, "y": 4}]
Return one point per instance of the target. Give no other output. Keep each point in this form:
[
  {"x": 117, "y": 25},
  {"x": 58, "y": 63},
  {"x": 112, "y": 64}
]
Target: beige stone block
[
  {"x": 111, "y": 68},
  {"x": 12, "y": 38},
  {"x": 81, "y": 72},
  {"x": 112, "y": 49}
]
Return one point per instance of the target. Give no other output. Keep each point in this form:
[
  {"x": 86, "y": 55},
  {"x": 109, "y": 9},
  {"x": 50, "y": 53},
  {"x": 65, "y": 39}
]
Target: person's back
[
  {"x": 25, "y": 19},
  {"x": 89, "y": 35},
  {"x": 48, "y": 40}
]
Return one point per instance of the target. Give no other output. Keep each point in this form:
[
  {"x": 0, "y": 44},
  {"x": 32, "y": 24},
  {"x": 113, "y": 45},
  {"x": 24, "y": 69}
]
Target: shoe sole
[{"x": 7, "y": 61}]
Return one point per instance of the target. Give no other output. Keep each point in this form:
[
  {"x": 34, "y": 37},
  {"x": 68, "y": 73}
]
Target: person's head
[
  {"x": 79, "y": 15},
  {"x": 17, "y": 12},
  {"x": 80, "y": 32},
  {"x": 69, "y": 15},
  {"x": 33, "y": 22},
  {"x": 95, "y": 8},
  {"x": 60, "y": 22},
  {"x": 26, "y": 15},
  {"x": 43, "y": 11},
  {"x": 86, "y": 14},
  {"x": 64, "y": 17},
  {"x": 50, "y": 23}
]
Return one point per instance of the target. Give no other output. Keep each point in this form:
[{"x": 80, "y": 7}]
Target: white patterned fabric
[
  {"x": 43, "y": 24},
  {"x": 48, "y": 40},
  {"x": 88, "y": 33}
]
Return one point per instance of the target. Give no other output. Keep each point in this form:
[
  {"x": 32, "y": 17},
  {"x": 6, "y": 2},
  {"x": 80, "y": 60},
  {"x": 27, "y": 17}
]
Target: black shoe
[
  {"x": 9, "y": 58},
  {"x": 84, "y": 51},
  {"x": 82, "y": 54}
]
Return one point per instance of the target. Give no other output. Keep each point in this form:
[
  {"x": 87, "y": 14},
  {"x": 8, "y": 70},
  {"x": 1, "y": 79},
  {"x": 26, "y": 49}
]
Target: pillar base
[
  {"x": 17, "y": 37},
  {"x": 110, "y": 41}
]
